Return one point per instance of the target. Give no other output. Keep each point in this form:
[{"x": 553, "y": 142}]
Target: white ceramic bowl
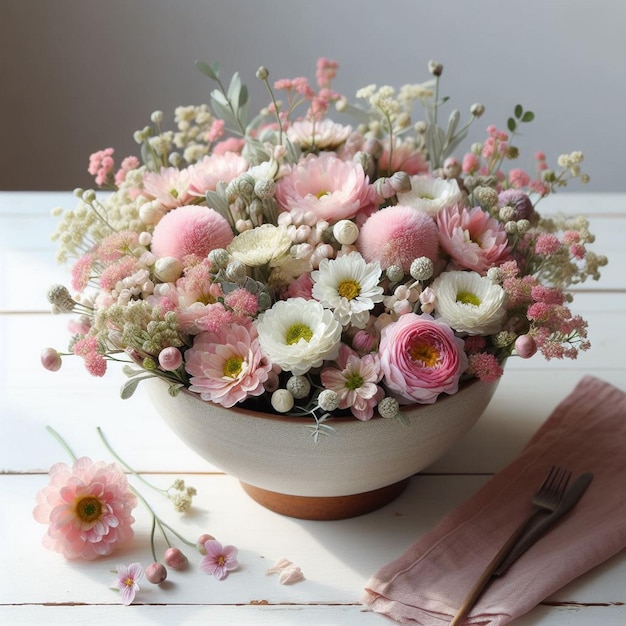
[{"x": 274, "y": 455}]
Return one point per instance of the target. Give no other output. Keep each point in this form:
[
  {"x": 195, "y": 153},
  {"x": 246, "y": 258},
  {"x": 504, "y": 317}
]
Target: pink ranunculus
[
  {"x": 227, "y": 366},
  {"x": 420, "y": 358},
  {"x": 325, "y": 187},
  {"x": 475, "y": 240},
  {"x": 87, "y": 508},
  {"x": 212, "y": 169},
  {"x": 190, "y": 230}
]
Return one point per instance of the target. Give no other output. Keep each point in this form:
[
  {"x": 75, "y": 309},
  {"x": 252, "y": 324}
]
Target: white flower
[
  {"x": 349, "y": 286},
  {"x": 469, "y": 302},
  {"x": 260, "y": 246},
  {"x": 298, "y": 334},
  {"x": 431, "y": 194}
]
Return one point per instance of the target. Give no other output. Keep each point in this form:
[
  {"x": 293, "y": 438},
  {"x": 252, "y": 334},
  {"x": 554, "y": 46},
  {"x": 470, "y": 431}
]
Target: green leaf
[
  {"x": 519, "y": 111},
  {"x": 243, "y": 96},
  {"x": 511, "y": 124},
  {"x": 211, "y": 71},
  {"x": 529, "y": 116},
  {"x": 130, "y": 386},
  {"x": 234, "y": 88}
]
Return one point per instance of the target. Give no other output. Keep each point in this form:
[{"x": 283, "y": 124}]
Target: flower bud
[
  {"x": 477, "y": 109},
  {"x": 202, "y": 539},
  {"x": 525, "y": 346},
  {"x": 262, "y": 73},
  {"x": 436, "y": 69},
  {"x": 156, "y": 117},
  {"x": 282, "y": 401},
  {"x": 156, "y": 573},
  {"x": 170, "y": 359},
  {"x": 299, "y": 387},
  {"x": 51, "y": 360},
  {"x": 346, "y": 232},
  {"x": 327, "y": 400},
  {"x": 168, "y": 269},
  {"x": 176, "y": 559}
]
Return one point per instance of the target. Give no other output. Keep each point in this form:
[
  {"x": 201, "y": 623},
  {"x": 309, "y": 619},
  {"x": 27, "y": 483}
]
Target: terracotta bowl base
[{"x": 327, "y": 507}]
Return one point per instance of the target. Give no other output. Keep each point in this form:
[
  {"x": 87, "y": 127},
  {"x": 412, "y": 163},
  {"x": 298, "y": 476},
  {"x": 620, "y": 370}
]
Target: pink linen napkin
[{"x": 585, "y": 433}]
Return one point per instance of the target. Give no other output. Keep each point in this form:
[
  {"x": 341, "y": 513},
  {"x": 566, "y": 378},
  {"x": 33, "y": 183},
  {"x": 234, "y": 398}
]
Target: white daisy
[
  {"x": 431, "y": 194},
  {"x": 299, "y": 334},
  {"x": 469, "y": 302},
  {"x": 349, "y": 286},
  {"x": 264, "y": 245}
]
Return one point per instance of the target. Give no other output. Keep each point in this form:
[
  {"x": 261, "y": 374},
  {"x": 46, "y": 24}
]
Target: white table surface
[{"x": 337, "y": 558}]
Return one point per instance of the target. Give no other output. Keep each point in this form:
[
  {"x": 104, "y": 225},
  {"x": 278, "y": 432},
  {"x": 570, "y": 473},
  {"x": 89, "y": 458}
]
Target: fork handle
[{"x": 485, "y": 577}]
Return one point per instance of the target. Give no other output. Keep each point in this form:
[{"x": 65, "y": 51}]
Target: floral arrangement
[{"x": 291, "y": 263}]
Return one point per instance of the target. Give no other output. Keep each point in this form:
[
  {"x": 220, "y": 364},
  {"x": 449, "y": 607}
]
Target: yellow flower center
[
  {"x": 296, "y": 332},
  {"x": 221, "y": 560},
  {"x": 426, "y": 196},
  {"x": 424, "y": 352},
  {"x": 88, "y": 509},
  {"x": 321, "y": 194},
  {"x": 349, "y": 289},
  {"x": 232, "y": 366},
  {"x": 129, "y": 582},
  {"x": 467, "y": 297}
]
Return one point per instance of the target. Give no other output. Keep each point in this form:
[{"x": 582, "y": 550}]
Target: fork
[{"x": 545, "y": 500}]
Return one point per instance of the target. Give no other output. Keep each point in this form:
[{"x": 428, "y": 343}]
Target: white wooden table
[{"x": 38, "y": 586}]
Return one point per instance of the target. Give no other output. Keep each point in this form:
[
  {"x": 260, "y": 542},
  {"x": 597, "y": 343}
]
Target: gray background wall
[{"x": 80, "y": 75}]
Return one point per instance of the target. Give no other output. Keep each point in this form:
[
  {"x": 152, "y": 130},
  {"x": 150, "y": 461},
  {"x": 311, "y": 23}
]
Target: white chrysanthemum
[
  {"x": 431, "y": 194},
  {"x": 266, "y": 244},
  {"x": 299, "y": 334},
  {"x": 469, "y": 302},
  {"x": 323, "y": 135},
  {"x": 349, "y": 286}
]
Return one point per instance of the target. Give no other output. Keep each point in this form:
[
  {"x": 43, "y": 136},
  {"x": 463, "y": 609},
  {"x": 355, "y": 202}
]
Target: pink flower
[
  {"x": 190, "y": 230},
  {"x": 471, "y": 163},
  {"x": 404, "y": 158},
  {"x": 82, "y": 271},
  {"x": 485, "y": 367},
  {"x": 87, "y": 347},
  {"x": 127, "y": 581},
  {"x": 219, "y": 560},
  {"x": 475, "y": 240},
  {"x": 420, "y": 358},
  {"x": 227, "y": 366},
  {"x": 518, "y": 178},
  {"x": 355, "y": 382},
  {"x": 232, "y": 144},
  {"x": 204, "y": 175},
  {"x": 101, "y": 165},
  {"x": 397, "y": 235},
  {"x": 128, "y": 164},
  {"x": 325, "y": 188},
  {"x": 169, "y": 187},
  {"x": 87, "y": 508}
]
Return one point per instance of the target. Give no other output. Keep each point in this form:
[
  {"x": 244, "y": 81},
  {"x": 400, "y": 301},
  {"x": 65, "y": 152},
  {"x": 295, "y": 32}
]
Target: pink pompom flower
[
  {"x": 398, "y": 235},
  {"x": 420, "y": 358},
  {"x": 190, "y": 230},
  {"x": 87, "y": 509}
]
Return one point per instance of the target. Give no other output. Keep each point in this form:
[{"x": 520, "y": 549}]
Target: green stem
[
  {"x": 61, "y": 441},
  {"x": 128, "y": 467},
  {"x": 276, "y": 111}
]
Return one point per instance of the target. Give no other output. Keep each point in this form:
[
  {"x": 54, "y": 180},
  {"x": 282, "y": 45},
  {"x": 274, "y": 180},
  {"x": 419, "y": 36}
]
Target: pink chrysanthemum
[
  {"x": 355, "y": 382},
  {"x": 228, "y": 366},
  {"x": 169, "y": 187},
  {"x": 219, "y": 560},
  {"x": 475, "y": 240},
  {"x": 190, "y": 230},
  {"x": 325, "y": 188},
  {"x": 404, "y": 158},
  {"x": 398, "y": 235},
  {"x": 212, "y": 169},
  {"x": 420, "y": 358},
  {"x": 87, "y": 508}
]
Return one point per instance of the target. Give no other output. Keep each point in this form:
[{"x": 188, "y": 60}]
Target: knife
[{"x": 572, "y": 495}]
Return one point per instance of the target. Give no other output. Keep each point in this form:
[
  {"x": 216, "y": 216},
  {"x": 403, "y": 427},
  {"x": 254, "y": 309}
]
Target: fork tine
[{"x": 555, "y": 483}]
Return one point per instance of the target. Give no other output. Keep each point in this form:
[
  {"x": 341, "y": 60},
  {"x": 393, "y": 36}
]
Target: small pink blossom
[
  {"x": 473, "y": 239},
  {"x": 87, "y": 348},
  {"x": 355, "y": 382},
  {"x": 232, "y": 144},
  {"x": 87, "y": 509},
  {"x": 227, "y": 366},
  {"x": 101, "y": 165},
  {"x": 128, "y": 164},
  {"x": 82, "y": 271},
  {"x": 215, "y": 131},
  {"x": 420, "y": 358},
  {"x": 485, "y": 367},
  {"x": 397, "y": 235},
  {"x": 471, "y": 163},
  {"x": 219, "y": 560},
  {"x": 118, "y": 271},
  {"x": 128, "y": 577},
  {"x": 547, "y": 244},
  {"x": 190, "y": 230},
  {"x": 242, "y": 302},
  {"x": 518, "y": 178}
]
